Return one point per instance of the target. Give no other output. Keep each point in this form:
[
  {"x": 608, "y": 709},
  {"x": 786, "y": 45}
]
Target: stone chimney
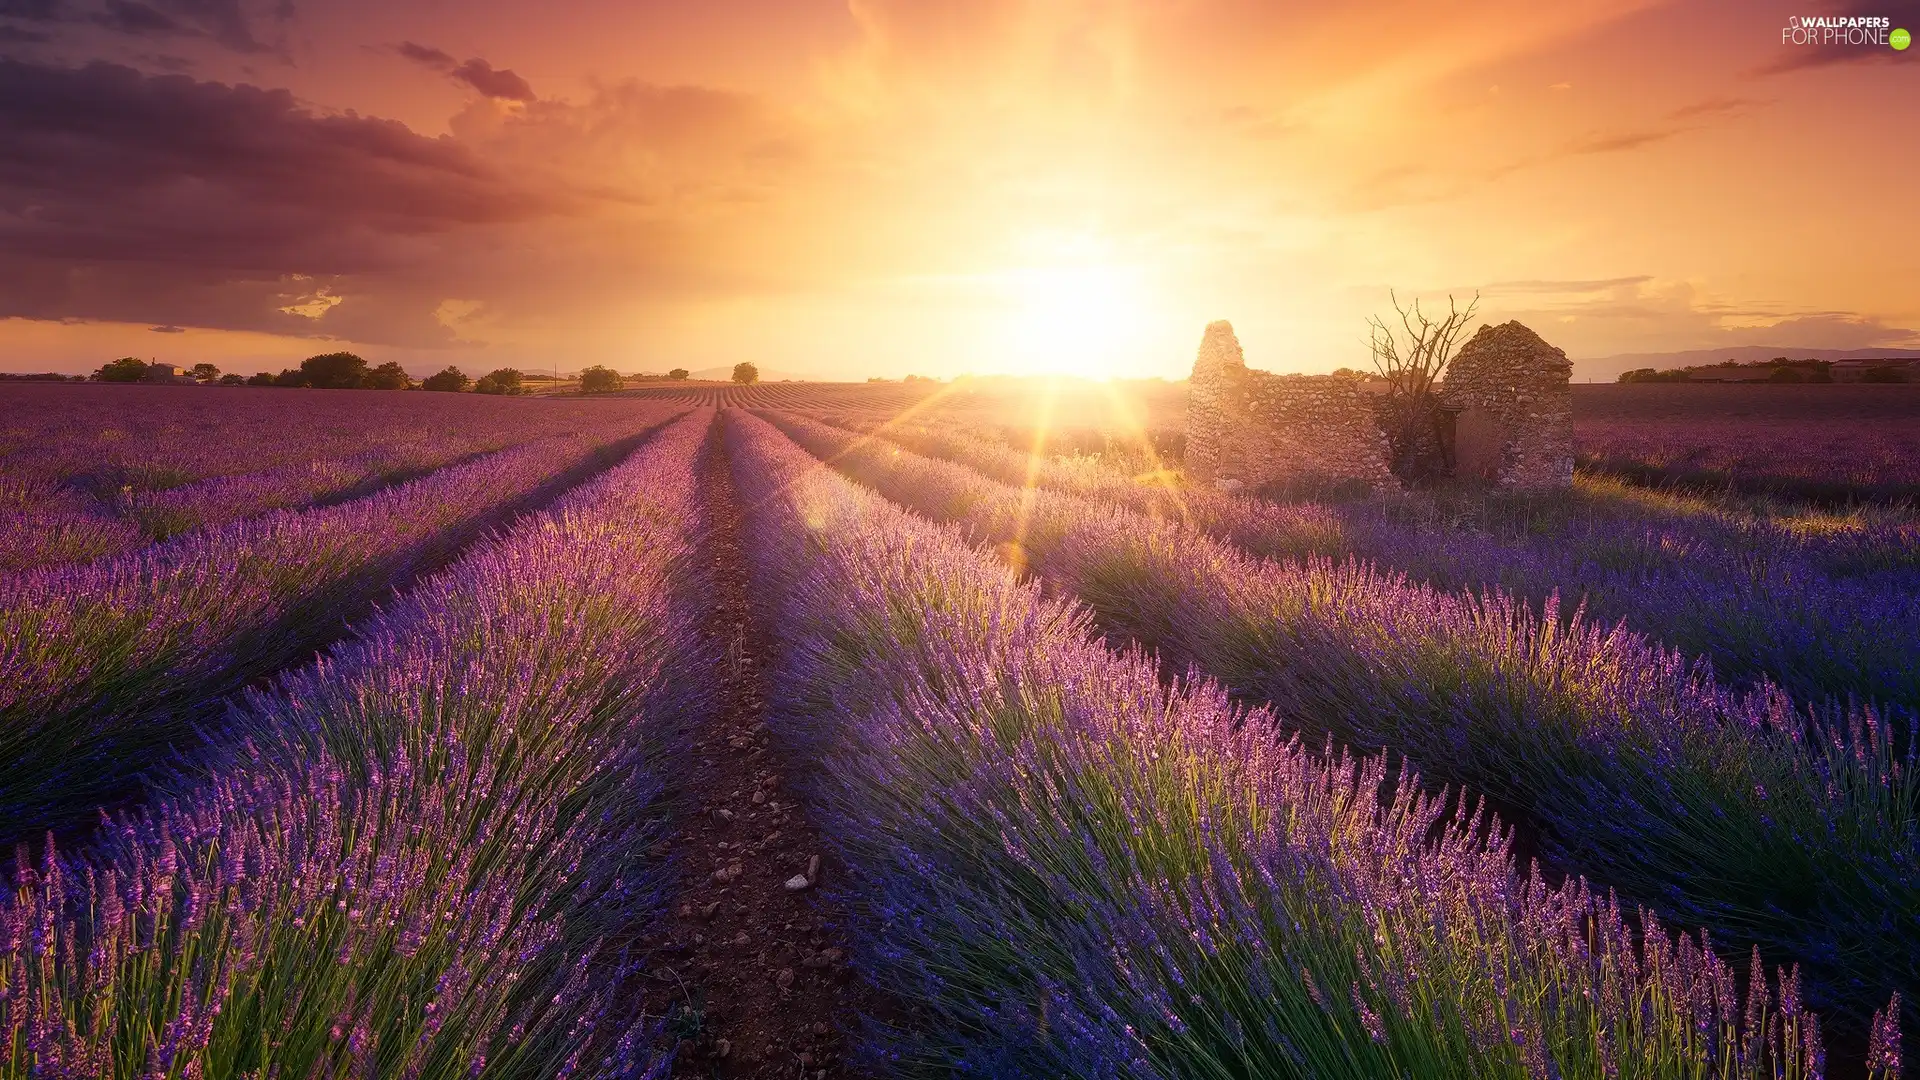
[{"x": 1216, "y": 404}]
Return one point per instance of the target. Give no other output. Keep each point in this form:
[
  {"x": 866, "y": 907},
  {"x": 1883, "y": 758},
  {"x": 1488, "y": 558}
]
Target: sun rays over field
[
  {"x": 892, "y": 186},
  {"x": 1080, "y": 539},
  {"x": 1072, "y": 320}
]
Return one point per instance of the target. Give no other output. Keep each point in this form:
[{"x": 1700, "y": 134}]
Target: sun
[{"x": 1072, "y": 319}]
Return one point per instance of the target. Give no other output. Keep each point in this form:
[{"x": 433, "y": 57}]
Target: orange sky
[{"x": 934, "y": 186}]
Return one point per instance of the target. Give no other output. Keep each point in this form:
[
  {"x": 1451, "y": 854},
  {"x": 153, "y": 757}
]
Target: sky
[{"x": 866, "y": 188}]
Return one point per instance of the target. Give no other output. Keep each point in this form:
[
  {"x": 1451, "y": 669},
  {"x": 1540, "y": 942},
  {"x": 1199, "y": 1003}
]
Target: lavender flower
[
  {"x": 1630, "y": 763},
  {"x": 1072, "y": 868},
  {"x": 486, "y": 751}
]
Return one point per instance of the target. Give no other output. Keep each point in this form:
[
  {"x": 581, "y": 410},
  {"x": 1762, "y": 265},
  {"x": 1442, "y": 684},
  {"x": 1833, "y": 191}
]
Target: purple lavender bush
[
  {"x": 101, "y": 665},
  {"x": 93, "y": 471},
  {"x": 419, "y": 857},
  {"x": 1841, "y": 444},
  {"x": 1794, "y": 830},
  {"x": 1065, "y": 867},
  {"x": 1818, "y": 603}
]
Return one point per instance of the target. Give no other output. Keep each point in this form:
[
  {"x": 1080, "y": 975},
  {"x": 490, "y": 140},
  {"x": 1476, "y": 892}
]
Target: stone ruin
[
  {"x": 1504, "y": 416},
  {"x": 1510, "y": 396}
]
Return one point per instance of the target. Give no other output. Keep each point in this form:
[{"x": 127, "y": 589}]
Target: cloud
[
  {"x": 13, "y": 35},
  {"x": 502, "y": 84},
  {"x": 228, "y": 23},
  {"x": 135, "y": 18},
  {"x": 30, "y": 10},
  {"x": 166, "y": 201},
  {"x": 425, "y": 54},
  {"x": 1644, "y": 314},
  {"x": 1715, "y": 106},
  {"x": 1615, "y": 142},
  {"x": 1411, "y": 184},
  {"x": 120, "y": 189},
  {"x": 167, "y": 329},
  {"x": 1590, "y": 285}
]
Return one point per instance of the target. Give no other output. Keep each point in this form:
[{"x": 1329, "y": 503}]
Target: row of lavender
[
  {"x": 103, "y": 664},
  {"x": 1064, "y": 868},
  {"x": 1842, "y": 444},
  {"x": 1820, "y": 605},
  {"x": 423, "y": 857},
  {"x": 1794, "y": 831},
  {"x": 91, "y": 472}
]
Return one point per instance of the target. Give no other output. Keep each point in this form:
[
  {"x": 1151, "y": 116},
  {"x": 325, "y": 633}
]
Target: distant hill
[{"x": 1608, "y": 368}]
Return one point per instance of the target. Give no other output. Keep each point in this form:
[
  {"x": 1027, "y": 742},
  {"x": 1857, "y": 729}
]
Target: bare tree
[{"x": 1412, "y": 359}]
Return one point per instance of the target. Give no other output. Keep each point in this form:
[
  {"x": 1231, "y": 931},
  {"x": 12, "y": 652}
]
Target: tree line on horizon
[
  {"x": 349, "y": 371},
  {"x": 1780, "y": 370}
]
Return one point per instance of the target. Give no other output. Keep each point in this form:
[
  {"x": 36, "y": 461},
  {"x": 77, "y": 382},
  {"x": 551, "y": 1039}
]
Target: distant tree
[
  {"x": 746, "y": 373},
  {"x": 389, "y": 376},
  {"x": 233, "y": 379},
  {"x": 261, "y": 378},
  {"x": 919, "y": 379},
  {"x": 125, "y": 369},
  {"x": 335, "y": 371},
  {"x": 1785, "y": 375},
  {"x": 679, "y": 373},
  {"x": 1821, "y": 373},
  {"x": 452, "y": 379},
  {"x": 1649, "y": 375},
  {"x": 291, "y": 377},
  {"x": 1884, "y": 375},
  {"x": 501, "y": 381},
  {"x": 599, "y": 380},
  {"x": 206, "y": 373}
]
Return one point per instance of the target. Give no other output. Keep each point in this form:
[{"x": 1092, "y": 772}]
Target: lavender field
[
  {"x": 1837, "y": 444},
  {"x": 415, "y": 735}
]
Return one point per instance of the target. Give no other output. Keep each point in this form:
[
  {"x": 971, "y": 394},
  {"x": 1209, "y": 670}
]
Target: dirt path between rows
[{"x": 751, "y": 979}]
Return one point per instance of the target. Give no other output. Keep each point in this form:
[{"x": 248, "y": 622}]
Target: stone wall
[
  {"x": 1515, "y": 402},
  {"x": 1507, "y": 391},
  {"x": 1255, "y": 429}
]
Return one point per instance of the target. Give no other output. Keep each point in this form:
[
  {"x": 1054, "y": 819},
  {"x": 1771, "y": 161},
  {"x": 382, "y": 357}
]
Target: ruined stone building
[{"x": 1504, "y": 416}]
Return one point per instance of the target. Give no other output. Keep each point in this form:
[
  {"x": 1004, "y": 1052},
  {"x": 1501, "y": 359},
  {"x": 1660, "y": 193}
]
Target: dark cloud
[
  {"x": 164, "y": 200},
  {"x": 425, "y": 54},
  {"x": 160, "y": 200},
  {"x": 167, "y": 329},
  {"x": 31, "y": 10},
  {"x": 223, "y": 20},
  {"x": 14, "y": 35},
  {"x": 134, "y": 18},
  {"x": 502, "y": 84},
  {"x": 226, "y": 22}
]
